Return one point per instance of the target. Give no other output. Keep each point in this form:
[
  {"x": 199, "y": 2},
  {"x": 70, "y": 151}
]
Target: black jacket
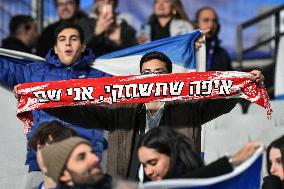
[
  {"x": 220, "y": 59},
  {"x": 47, "y": 38},
  {"x": 214, "y": 169},
  {"x": 15, "y": 44},
  {"x": 101, "y": 44},
  {"x": 272, "y": 182},
  {"x": 105, "y": 183}
]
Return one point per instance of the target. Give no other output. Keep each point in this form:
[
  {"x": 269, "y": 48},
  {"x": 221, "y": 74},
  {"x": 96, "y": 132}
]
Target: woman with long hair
[
  {"x": 165, "y": 153},
  {"x": 275, "y": 169},
  {"x": 169, "y": 19}
]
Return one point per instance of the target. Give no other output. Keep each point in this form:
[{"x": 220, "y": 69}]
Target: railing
[{"x": 241, "y": 51}]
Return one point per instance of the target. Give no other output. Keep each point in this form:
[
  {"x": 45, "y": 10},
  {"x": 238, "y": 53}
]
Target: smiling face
[
  {"x": 83, "y": 166},
  {"x": 155, "y": 164},
  {"x": 69, "y": 47},
  {"x": 276, "y": 163}
]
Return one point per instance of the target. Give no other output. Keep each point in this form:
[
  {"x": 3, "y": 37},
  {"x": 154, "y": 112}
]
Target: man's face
[
  {"x": 83, "y": 166},
  {"x": 66, "y": 9},
  {"x": 163, "y": 8},
  {"x": 69, "y": 47},
  {"x": 207, "y": 20},
  {"x": 154, "y": 66},
  {"x": 33, "y": 34}
]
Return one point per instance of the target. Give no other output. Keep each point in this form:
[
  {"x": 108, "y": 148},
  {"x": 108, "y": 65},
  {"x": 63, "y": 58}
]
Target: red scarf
[{"x": 138, "y": 89}]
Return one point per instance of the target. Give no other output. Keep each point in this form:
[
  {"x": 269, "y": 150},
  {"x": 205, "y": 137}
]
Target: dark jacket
[
  {"x": 104, "y": 183},
  {"x": 219, "y": 57},
  {"x": 272, "y": 182},
  {"x": 12, "y": 73},
  {"x": 107, "y": 182},
  {"x": 100, "y": 44},
  {"x": 127, "y": 122},
  {"x": 13, "y": 43},
  {"x": 214, "y": 169},
  {"x": 47, "y": 38}
]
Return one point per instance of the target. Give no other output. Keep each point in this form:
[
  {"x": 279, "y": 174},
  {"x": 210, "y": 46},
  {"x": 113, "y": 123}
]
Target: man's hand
[
  {"x": 258, "y": 77},
  {"x": 201, "y": 39},
  {"x": 245, "y": 153}
]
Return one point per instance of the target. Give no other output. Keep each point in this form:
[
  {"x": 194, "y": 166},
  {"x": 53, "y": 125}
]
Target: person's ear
[
  {"x": 44, "y": 169},
  {"x": 55, "y": 49},
  {"x": 83, "y": 48},
  {"x": 66, "y": 177}
]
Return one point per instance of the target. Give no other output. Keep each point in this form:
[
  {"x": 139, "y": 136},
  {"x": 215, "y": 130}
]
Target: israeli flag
[
  {"x": 247, "y": 175},
  {"x": 180, "y": 49}
]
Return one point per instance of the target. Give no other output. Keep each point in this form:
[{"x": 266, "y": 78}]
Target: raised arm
[
  {"x": 12, "y": 72},
  {"x": 226, "y": 164},
  {"x": 211, "y": 109}
]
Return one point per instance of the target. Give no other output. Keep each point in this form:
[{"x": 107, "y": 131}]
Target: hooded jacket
[{"x": 12, "y": 72}]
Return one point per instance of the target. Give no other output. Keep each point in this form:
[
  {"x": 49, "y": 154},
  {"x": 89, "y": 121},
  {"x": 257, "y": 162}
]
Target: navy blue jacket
[{"x": 13, "y": 73}]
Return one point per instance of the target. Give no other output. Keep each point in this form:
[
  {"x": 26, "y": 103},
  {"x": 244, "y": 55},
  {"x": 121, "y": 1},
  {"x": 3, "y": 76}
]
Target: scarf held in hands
[{"x": 138, "y": 89}]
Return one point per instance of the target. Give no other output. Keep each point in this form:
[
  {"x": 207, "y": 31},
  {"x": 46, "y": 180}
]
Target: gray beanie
[{"x": 56, "y": 155}]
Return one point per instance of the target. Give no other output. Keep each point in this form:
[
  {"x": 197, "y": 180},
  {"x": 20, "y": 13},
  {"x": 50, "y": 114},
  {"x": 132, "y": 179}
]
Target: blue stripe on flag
[{"x": 179, "y": 49}]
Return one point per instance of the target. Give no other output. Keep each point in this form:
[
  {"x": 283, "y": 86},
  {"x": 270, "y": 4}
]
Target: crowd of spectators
[{"x": 149, "y": 141}]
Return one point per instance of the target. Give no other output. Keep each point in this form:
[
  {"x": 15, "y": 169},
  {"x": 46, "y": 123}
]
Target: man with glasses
[
  {"x": 217, "y": 58},
  {"x": 127, "y": 123}
]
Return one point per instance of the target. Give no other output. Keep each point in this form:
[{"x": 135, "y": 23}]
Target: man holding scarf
[{"x": 127, "y": 123}]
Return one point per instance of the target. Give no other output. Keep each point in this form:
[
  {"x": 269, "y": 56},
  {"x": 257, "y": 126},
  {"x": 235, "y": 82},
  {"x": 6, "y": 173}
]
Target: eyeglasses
[{"x": 158, "y": 71}]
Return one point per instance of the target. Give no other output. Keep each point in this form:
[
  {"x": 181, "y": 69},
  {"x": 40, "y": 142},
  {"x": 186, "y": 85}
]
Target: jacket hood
[{"x": 86, "y": 59}]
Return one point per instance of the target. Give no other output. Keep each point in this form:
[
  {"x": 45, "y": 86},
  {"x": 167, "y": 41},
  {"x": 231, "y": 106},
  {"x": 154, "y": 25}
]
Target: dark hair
[
  {"x": 157, "y": 55},
  {"x": 279, "y": 144},
  {"x": 50, "y": 132},
  {"x": 67, "y": 25},
  {"x": 77, "y": 2},
  {"x": 18, "y": 21},
  {"x": 183, "y": 155},
  {"x": 197, "y": 15}
]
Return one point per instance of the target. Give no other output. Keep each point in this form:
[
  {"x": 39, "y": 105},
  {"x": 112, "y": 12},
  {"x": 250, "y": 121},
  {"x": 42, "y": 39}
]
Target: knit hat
[{"x": 56, "y": 155}]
